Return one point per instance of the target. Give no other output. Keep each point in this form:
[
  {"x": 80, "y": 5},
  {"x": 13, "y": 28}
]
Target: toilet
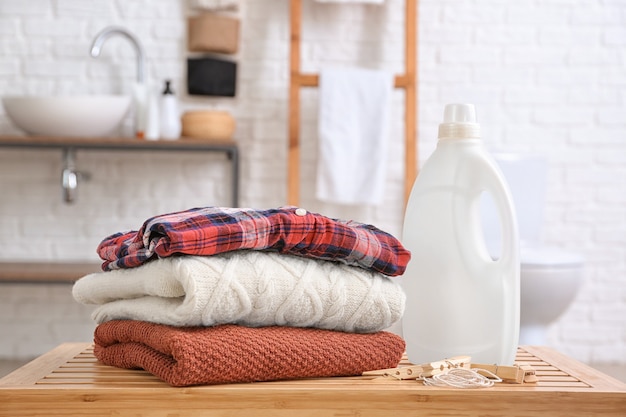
[{"x": 550, "y": 277}]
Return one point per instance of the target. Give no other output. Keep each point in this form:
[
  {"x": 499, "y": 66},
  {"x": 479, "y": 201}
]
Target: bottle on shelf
[
  {"x": 153, "y": 122},
  {"x": 169, "y": 113}
]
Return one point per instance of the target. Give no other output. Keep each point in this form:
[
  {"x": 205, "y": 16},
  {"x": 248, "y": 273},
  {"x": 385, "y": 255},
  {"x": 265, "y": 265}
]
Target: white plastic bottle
[
  {"x": 152, "y": 127},
  {"x": 140, "y": 104},
  {"x": 169, "y": 113},
  {"x": 459, "y": 300}
]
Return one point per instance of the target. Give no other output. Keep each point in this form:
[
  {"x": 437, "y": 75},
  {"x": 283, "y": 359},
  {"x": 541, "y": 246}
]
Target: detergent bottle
[{"x": 461, "y": 300}]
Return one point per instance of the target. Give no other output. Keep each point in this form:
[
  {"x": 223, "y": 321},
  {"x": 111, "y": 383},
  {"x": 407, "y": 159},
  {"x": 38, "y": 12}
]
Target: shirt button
[{"x": 300, "y": 212}]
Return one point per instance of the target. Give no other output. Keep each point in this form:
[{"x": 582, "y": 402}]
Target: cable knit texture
[
  {"x": 249, "y": 288},
  {"x": 230, "y": 353},
  {"x": 289, "y": 230}
]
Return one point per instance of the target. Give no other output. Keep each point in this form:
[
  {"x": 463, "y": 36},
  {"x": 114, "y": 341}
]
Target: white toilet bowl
[
  {"x": 549, "y": 277},
  {"x": 549, "y": 281}
]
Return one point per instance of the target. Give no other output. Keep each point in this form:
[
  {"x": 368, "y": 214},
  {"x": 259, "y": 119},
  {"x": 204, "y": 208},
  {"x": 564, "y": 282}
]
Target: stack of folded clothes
[{"x": 221, "y": 295}]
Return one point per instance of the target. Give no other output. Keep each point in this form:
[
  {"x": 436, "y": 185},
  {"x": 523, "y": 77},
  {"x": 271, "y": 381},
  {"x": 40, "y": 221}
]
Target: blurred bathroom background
[{"x": 547, "y": 77}]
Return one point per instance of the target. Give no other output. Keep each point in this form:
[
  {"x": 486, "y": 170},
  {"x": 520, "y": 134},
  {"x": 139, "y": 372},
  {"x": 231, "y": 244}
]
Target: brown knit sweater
[{"x": 183, "y": 356}]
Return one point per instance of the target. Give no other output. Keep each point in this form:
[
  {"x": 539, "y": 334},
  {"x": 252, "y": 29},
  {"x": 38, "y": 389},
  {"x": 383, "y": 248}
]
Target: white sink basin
[{"x": 68, "y": 116}]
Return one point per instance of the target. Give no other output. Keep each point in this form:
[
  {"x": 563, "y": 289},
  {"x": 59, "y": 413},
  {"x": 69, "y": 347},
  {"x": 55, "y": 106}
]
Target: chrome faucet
[{"x": 96, "y": 46}]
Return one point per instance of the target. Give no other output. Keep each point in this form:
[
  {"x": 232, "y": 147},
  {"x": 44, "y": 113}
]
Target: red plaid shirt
[{"x": 213, "y": 230}]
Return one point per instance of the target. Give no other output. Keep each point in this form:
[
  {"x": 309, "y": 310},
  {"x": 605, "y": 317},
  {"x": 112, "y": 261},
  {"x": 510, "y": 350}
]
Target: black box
[{"x": 211, "y": 77}]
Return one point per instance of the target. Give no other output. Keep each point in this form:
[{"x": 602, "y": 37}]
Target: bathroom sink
[{"x": 67, "y": 116}]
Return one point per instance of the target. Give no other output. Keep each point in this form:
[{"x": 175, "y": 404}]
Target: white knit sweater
[{"x": 250, "y": 288}]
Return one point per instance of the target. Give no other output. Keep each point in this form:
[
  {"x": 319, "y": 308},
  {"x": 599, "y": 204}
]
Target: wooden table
[{"x": 69, "y": 381}]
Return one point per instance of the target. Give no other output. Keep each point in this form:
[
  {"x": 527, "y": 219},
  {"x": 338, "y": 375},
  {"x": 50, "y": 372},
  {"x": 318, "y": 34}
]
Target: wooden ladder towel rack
[{"x": 407, "y": 81}]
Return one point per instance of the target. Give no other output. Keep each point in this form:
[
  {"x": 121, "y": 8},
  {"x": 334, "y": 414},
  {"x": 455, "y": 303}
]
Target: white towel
[
  {"x": 250, "y": 288},
  {"x": 353, "y": 135}
]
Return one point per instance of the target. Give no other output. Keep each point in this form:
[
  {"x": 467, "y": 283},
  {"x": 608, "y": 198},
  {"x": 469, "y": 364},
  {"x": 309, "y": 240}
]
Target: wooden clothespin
[
  {"x": 515, "y": 374},
  {"x": 530, "y": 377},
  {"x": 423, "y": 370}
]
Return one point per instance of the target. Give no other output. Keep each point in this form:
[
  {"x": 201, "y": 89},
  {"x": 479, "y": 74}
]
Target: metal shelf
[
  {"x": 68, "y": 145},
  {"x": 32, "y": 272}
]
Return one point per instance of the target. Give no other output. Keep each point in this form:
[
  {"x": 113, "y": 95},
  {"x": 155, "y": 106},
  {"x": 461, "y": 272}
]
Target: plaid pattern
[{"x": 213, "y": 230}]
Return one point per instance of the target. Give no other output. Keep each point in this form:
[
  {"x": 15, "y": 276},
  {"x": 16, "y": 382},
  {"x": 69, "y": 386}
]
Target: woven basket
[{"x": 208, "y": 124}]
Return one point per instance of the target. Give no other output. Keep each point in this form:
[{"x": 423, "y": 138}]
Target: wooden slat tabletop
[{"x": 69, "y": 381}]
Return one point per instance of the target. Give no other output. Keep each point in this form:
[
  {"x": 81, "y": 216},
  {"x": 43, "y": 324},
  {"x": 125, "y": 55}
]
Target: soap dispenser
[{"x": 169, "y": 113}]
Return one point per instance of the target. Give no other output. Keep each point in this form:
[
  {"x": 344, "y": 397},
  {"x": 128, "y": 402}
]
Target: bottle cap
[{"x": 459, "y": 122}]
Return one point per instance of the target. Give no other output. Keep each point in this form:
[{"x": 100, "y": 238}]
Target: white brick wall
[
  {"x": 36, "y": 318},
  {"x": 547, "y": 77}
]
